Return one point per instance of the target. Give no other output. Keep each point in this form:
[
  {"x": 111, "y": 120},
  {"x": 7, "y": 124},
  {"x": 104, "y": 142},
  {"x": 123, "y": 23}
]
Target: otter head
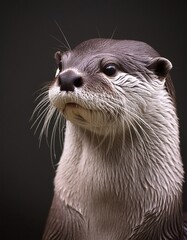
[{"x": 104, "y": 85}]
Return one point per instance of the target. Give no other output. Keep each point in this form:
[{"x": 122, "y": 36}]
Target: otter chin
[
  {"x": 120, "y": 175},
  {"x": 77, "y": 114}
]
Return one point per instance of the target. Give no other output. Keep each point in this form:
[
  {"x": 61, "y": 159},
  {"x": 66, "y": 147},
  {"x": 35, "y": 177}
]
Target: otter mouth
[{"x": 72, "y": 105}]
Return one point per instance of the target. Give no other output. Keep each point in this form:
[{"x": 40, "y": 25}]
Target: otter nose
[{"x": 69, "y": 80}]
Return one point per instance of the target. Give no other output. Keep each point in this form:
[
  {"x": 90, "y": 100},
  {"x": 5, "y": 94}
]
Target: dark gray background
[{"x": 27, "y": 62}]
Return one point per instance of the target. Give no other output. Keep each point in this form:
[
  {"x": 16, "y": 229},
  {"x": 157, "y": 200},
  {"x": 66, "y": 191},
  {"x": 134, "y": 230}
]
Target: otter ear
[
  {"x": 160, "y": 66},
  {"x": 58, "y": 56}
]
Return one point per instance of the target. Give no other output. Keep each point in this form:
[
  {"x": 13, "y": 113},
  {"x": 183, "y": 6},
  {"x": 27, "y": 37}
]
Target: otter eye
[{"x": 110, "y": 70}]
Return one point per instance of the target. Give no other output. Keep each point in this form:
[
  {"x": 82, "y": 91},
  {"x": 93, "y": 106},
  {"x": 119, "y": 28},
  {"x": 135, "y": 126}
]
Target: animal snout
[{"x": 69, "y": 80}]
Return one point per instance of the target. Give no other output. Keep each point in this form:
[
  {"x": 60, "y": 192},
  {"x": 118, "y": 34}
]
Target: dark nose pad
[{"x": 69, "y": 80}]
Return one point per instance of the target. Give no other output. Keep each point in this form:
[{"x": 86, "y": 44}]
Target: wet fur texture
[{"x": 120, "y": 175}]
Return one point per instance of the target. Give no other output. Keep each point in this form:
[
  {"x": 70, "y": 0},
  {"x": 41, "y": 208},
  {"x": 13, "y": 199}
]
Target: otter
[{"x": 120, "y": 174}]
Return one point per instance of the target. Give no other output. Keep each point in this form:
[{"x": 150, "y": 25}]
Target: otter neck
[
  {"x": 116, "y": 175},
  {"x": 152, "y": 160}
]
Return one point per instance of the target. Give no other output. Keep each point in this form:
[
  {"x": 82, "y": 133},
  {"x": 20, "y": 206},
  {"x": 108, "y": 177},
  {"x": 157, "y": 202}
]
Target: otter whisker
[
  {"x": 63, "y": 44},
  {"x": 68, "y": 45},
  {"x": 114, "y": 31},
  {"x": 41, "y": 109},
  {"x": 148, "y": 138},
  {"x": 140, "y": 120},
  {"x": 47, "y": 120},
  {"x": 130, "y": 121},
  {"x": 62, "y": 124},
  {"x": 40, "y": 118},
  {"x": 56, "y": 127},
  {"x": 44, "y": 100}
]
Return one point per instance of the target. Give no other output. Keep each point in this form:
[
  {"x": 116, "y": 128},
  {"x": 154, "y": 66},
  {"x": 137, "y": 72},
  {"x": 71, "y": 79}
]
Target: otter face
[
  {"x": 102, "y": 83},
  {"x": 87, "y": 99}
]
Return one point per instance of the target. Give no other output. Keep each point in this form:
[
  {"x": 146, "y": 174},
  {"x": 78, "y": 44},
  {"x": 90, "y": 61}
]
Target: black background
[{"x": 27, "y": 50}]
